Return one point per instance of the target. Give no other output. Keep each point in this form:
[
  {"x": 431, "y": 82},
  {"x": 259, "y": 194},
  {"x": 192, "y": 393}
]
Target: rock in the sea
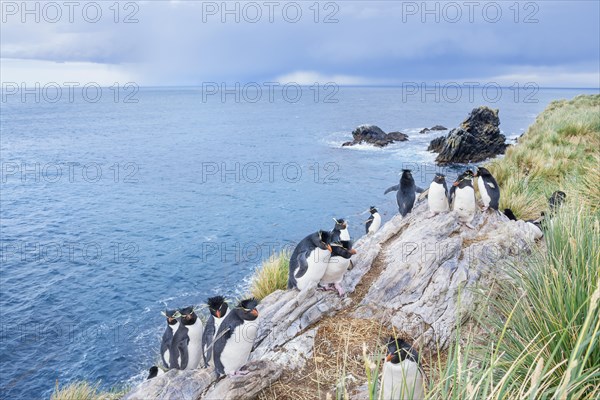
[
  {"x": 434, "y": 128},
  {"x": 437, "y": 144},
  {"x": 476, "y": 139},
  {"x": 374, "y": 135}
]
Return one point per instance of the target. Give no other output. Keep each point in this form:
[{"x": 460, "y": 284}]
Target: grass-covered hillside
[{"x": 559, "y": 151}]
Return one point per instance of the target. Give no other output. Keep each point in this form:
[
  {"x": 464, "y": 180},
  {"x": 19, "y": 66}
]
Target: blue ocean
[{"x": 115, "y": 209}]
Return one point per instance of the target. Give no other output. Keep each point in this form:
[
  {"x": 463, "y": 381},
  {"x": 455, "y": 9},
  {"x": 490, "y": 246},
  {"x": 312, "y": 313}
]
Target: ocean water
[{"x": 112, "y": 211}]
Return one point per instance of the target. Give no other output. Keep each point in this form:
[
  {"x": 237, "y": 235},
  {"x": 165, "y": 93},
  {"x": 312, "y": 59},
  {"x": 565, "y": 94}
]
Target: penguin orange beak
[
  {"x": 329, "y": 248},
  {"x": 455, "y": 184},
  {"x": 218, "y": 314},
  {"x": 389, "y": 357},
  {"x": 352, "y": 251},
  {"x": 254, "y": 312}
]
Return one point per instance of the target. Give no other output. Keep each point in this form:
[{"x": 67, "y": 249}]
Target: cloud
[
  {"x": 175, "y": 43},
  {"x": 310, "y": 77},
  {"x": 43, "y": 72}
]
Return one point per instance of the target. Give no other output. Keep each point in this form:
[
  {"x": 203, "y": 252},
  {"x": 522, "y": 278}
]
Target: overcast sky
[{"x": 551, "y": 43}]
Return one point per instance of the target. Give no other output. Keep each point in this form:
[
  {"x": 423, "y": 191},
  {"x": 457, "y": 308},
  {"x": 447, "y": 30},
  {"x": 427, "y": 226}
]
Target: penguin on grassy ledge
[
  {"x": 309, "y": 260},
  {"x": 488, "y": 189},
  {"x": 168, "y": 350},
  {"x": 219, "y": 309},
  {"x": 406, "y": 192},
  {"x": 193, "y": 324},
  {"x": 338, "y": 264},
  {"x": 533, "y": 225},
  {"x": 437, "y": 197},
  {"x": 402, "y": 373},
  {"x": 374, "y": 222},
  {"x": 463, "y": 196},
  {"x": 235, "y": 338}
]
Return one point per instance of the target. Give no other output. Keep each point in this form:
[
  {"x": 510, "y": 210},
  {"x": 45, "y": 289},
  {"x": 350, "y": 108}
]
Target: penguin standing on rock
[
  {"x": 437, "y": 197},
  {"x": 337, "y": 266},
  {"x": 235, "y": 338},
  {"x": 193, "y": 324},
  {"x": 406, "y": 190},
  {"x": 374, "y": 222},
  {"x": 219, "y": 309},
  {"x": 488, "y": 189},
  {"x": 309, "y": 260},
  {"x": 168, "y": 351},
  {"x": 402, "y": 374},
  {"x": 464, "y": 198},
  {"x": 340, "y": 231}
]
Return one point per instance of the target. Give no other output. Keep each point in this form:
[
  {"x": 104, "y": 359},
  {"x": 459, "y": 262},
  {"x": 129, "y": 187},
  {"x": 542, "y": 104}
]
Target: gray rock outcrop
[
  {"x": 428, "y": 271},
  {"x": 476, "y": 139},
  {"x": 374, "y": 135}
]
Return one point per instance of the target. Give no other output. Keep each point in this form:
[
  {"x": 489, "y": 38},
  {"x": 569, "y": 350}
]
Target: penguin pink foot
[
  {"x": 340, "y": 289},
  {"x": 239, "y": 372}
]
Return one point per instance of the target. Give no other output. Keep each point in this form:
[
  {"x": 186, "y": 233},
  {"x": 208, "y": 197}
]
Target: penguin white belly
[
  {"x": 317, "y": 265},
  {"x": 464, "y": 203},
  {"x": 438, "y": 202},
  {"x": 238, "y": 346},
  {"x": 485, "y": 197},
  {"x": 336, "y": 268},
  {"x": 402, "y": 381},
  {"x": 375, "y": 224},
  {"x": 195, "y": 345},
  {"x": 344, "y": 234}
]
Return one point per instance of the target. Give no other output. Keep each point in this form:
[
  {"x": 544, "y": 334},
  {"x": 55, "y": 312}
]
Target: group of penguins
[
  {"x": 225, "y": 342},
  {"x": 322, "y": 258}
]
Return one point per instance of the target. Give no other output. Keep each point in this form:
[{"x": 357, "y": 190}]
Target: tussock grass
[
  {"x": 558, "y": 152},
  {"x": 271, "y": 276},
  {"x": 85, "y": 391},
  {"x": 543, "y": 338}
]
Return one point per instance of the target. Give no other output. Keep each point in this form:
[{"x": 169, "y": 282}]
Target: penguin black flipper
[
  {"x": 508, "y": 212},
  {"x": 451, "y": 194},
  {"x": 225, "y": 331},
  {"x": 165, "y": 346},
  {"x": 446, "y": 190},
  {"x": 207, "y": 338},
  {"x": 302, "y": 265},
  {"x": 392, "y": 189},
  {"x": 368, "y": 223},
  {"x": 183, "y": 351},
  {"x": 419, "y": 190}
]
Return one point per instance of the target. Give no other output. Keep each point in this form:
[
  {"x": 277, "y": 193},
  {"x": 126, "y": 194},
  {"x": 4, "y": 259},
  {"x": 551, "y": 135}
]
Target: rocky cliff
[
  {"x": 476, "y": 139},
  {"x": 423, "y": 276}
]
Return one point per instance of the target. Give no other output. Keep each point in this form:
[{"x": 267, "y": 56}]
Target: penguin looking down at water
[
  {"x": 235, "y": 338},
  {"x": 168, "y": 351},
  {"x": 437, "y": 196},
  {"x": 193, "y": 324},
  {"x": 406, "y": 192},
  {"x": 308, "y": 262},
  {"x": 402, "y": 377},
  {"x": 464, "y": 198},
  {"x": 218, "y": 309},
  {"x": 338, "y": 264},
  {"x": 374, "y": 222},
  {"x": 488, "y": 189}
]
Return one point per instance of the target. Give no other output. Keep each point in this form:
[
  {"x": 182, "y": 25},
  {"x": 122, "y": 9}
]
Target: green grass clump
[
  {"x": 539, "y": 336},
  {"x": 82, "y": 390},
  {"x": 556, "y": 153},
  {"x": 271, "y": 276},
  {"x": 543, "y": 339}
]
